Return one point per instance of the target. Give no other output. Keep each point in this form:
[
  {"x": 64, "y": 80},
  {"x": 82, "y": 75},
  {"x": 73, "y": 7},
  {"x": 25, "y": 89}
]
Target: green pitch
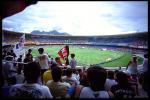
[{"x": 88, "y": 55}]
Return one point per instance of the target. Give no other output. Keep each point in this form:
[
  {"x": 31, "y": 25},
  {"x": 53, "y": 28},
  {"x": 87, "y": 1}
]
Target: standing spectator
[
  {"x": 123, "y": 88},
  {"x": 30, "y": 89},
  {"x": 96, "y": 77},
  {"x": 110, "y": 81},
  {"x": 58, "y": 88},
  {"x": 20, "y": 66},
  {"x": 30, "y": 53},
  {"x": 132, "y": 66},
  {"x": 43, "y": 60},
  {"x": 73, "y": 62},
  {"x": 145, "y": 63},
  {"x": 28, "y": 58}
]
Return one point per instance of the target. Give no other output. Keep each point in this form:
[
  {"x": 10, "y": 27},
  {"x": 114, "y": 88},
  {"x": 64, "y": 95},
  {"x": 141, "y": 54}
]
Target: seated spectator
[
  {"x": 9, "y": 71},
  {"x": 19, "y": 77},
  {"x": 58, "y": 61},
  {"x": 68, "y": 78},
  {"x": 76, "y": 75},
  {"x": 58, "y": 88},
  {"x": 47, "y": 75},
  {"x": 83, "y": 78},
  {"x": 110, "y": 81},
  {"x": 123, "y": 88},
  {"x": 96, "y": 77},
  {"x": 30, "y": 89}
]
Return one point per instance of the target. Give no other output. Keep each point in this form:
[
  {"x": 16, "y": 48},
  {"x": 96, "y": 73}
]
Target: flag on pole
[{"x": 64, "y": 52}]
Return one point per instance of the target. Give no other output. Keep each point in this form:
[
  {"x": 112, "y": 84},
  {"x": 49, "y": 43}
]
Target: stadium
[
  {"x": 72, "y": 66},
  {"x": 120, "y": 47}
]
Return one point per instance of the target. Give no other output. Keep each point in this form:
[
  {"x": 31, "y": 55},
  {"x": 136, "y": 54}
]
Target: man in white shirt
[
  {"x": 43, "y": 60},
  {"x": 30, "y": 89}
]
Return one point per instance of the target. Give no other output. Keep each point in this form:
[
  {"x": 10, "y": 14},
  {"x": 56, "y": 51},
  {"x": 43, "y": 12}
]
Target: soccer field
[{"x": 88, "y": 55}]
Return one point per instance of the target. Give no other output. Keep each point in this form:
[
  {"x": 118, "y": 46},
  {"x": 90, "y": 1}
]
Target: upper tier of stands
[{"x": 133, "y": 40}]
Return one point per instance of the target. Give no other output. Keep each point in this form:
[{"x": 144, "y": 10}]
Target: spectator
[
  {"x": 132, "y": 66},
  {"x": 20, "y": 66},
  {"x": 96, "y": 77},
  {"x": 68, "y": 78},
  {"x": 47, "y": 75},
  {"x": 58, "y": 61},
  {"x": 110, "y": 81},
  {"x": 19, "y": 76},
  {"x": 13, "y": 54},
  {"x": 145, "y": 63},
  {"x": 28, "y": 58},
  {"x": 30, "y": 89},
  {"x": 43, "y": 60},
  {"x": 30, "y": 53},
  {"x": 76, "y": 75},
  {"x": 9, "y": 71},
  {"x": 123, "y": 88},
  {"x": 73, "y": 62},
  {"x": 58, "y": 88}
]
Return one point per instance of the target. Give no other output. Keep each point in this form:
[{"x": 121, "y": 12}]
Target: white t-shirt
[
  {"x": 109, "y": 83},
  {"x": 43, "y": 61},
  {"x": 30, "y": 91},
  {"x": 87, "y": 92}
]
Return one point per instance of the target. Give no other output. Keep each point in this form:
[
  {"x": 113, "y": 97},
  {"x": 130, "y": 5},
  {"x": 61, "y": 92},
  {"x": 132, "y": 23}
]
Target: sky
[{"x": 84, "y": 18}]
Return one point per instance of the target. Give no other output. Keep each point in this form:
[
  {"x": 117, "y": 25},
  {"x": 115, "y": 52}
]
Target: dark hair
[
  {"x": 121, "y": 78},
  {"x": 41, "y": 50},
  {"x": 110, "y": 74},
  {"x": 68, "y": 72},
  {"x": 96, "y": 77},
  {"x": 27, "y": 55},
  {"x": 72, "y": 55},
  {"x": 30, "y": 50},
  {"x": 56, "y": 74},
  {"x": 32, "y": 72},
  {"x": 8, "y": 53},
  {"x": 146, "y": 55}
]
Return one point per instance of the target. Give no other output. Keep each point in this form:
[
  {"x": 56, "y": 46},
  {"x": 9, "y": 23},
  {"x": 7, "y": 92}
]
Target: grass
[{"x": 86, "y": 56}]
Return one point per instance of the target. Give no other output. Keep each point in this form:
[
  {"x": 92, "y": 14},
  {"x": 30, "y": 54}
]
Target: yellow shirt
[{"x": 47, "y": 76}]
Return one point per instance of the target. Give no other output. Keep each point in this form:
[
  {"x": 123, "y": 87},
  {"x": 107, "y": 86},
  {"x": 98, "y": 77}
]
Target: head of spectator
[
  {"x": 146, "y": 55},
  {"x": 41, "y": 50},
  {"x": 29, "y": 51},
  {"x": 72, "y": 55},
  {"x": 56, "y": 74},
  {"x": 110, "y": 74},
  {"x": 32, "y": 72},
  {"x": 122, "y": 78},
  {"x": 58, "y": 61},
  {"x": 28, "y": 56},
  {"x": 69, "y": 72},
  {"x": 134, "y": 58},
  {"x": 96, "y": 77}
]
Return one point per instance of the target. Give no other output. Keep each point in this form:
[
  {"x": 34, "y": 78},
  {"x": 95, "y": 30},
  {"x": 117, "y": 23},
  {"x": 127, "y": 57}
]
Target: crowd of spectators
[{"x": 44, "y": 77}]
